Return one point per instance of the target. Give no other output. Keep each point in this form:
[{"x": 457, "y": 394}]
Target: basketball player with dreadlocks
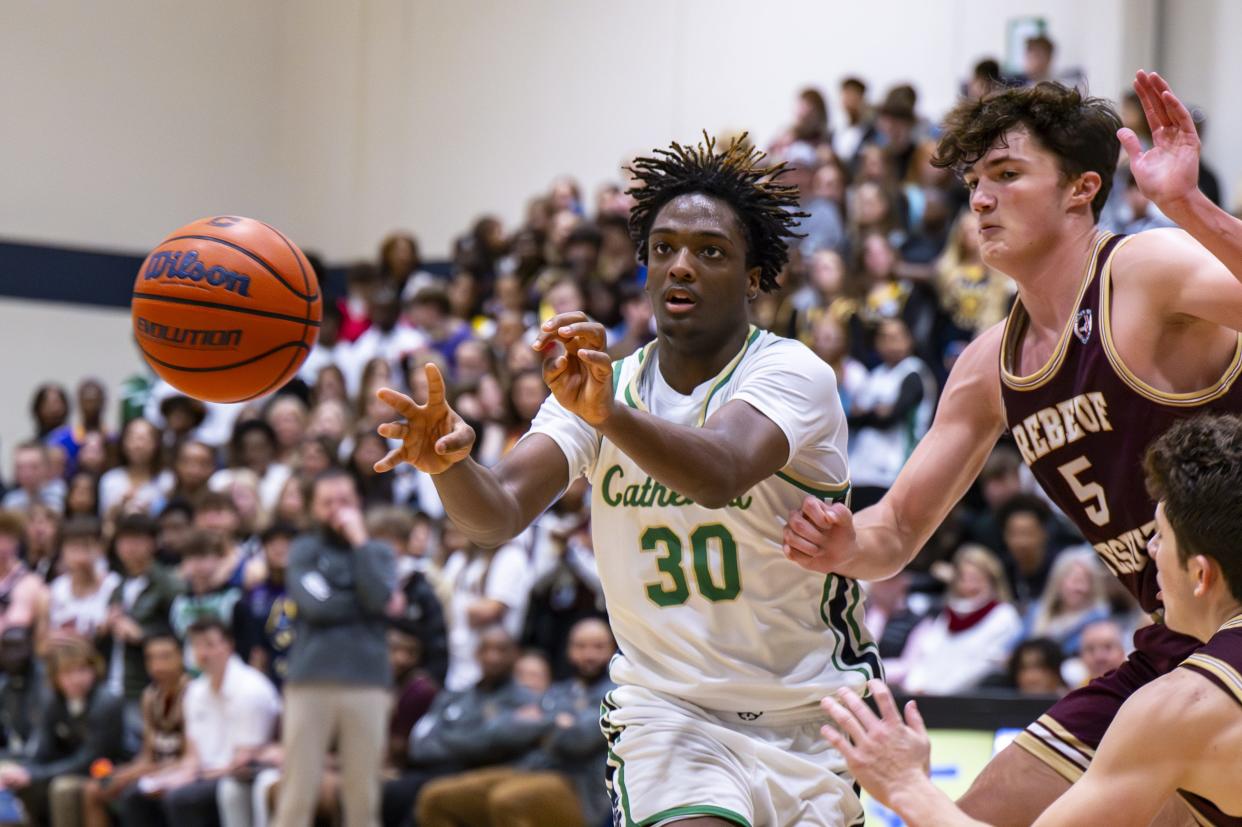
[{"x": 696, "y": 447}]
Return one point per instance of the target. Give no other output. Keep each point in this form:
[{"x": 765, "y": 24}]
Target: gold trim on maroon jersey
[{"x": 1018, "y": 322}]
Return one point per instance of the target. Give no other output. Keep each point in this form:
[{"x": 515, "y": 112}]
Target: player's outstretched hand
[
  {"x": 820, "y": 536},
  {"x": 433, "y": 437},
  {"x": 885, "y": 754},
  {"x": 576, "y": 367},
  {"x": 1169, "y": 171}
]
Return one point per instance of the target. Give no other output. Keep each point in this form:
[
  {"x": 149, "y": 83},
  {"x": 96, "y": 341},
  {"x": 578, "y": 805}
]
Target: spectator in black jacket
[
  {"x": 556, "y": 783},
  {"x": 84, "y": 723},
  {"x": 484, "y": 725},
  {"x": 24, "y": 693}
]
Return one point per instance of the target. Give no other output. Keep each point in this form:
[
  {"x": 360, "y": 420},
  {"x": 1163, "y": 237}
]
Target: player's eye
[
  {"x": 1009, "y": 175},
  {"x": 713, "y": 252},
  {"x": 971, "y": 184},
  {"x": 661, "y": 249}
]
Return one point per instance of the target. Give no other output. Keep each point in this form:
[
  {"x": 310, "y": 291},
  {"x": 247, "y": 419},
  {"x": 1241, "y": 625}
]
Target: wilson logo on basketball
[
  {"x": 178, "y": 265},
  {"x": 187, "y": 337}
]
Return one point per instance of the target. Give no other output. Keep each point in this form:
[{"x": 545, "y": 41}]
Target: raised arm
[
  {"x": 489, "y": 505},
  {"x": 1194, "y": 271},
  {"x": 879, "y": 541},
  {"x": 739, "y": 444}
]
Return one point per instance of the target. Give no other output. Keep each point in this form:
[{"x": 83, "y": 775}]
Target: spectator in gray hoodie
[
  {"x": 494, "y": 722},
  {"x": 338, "y": 686},
  {"x": 558, "y": 782}
]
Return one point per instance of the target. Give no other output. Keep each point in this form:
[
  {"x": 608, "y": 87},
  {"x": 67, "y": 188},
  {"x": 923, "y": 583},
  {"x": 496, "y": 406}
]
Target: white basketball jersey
[{"x": 703, "y": 603}]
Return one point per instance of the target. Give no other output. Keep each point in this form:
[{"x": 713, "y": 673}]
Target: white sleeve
[
  {"x": 790, "y": 385},
  {"x": 507, "y": 577},
  {"x": 576, "y": 439}
]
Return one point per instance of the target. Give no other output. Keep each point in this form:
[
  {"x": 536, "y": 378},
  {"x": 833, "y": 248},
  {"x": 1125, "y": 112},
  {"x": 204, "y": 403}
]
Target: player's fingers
[
  {"x": 560, "y": 320},
  {"x": 393, "y": 430},
  {"x": 1152, "y": 108},
  {"x": 845, "y": 719},
  {"x": 589, "y": 334},
  {"x": 435, "y": 385},
  {"x": 1130, "y": 142},
  {"x": 1178, "y": 113},
  {"x": 597, "y": 362},
  {"x": 458, "y": 439},
  {"x": 390, "y": 461},
  {"x": 914, "y": 718},
  {"x": 855, "y": 704},
  {"x": 839, "y": 742},
  {"x": 399, "y": 402},
  {"x": 554, "y": 367},
  {"x": 806, "y": 561},
  {"x": 807, "y": 548},
  {"x": 884, "y": 700}
]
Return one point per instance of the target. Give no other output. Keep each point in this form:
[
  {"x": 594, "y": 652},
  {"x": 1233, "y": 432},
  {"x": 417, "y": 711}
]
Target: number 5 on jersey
[
  {"x": 1090, "y": 493},
  {"x": 673, "y": 588}
]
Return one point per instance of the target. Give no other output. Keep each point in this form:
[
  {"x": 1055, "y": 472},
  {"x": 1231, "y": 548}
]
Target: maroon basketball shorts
[{"x": 1067, "y": 735}]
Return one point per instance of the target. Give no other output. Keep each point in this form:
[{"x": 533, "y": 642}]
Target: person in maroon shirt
[
  {"x": 1179, "y": 735},
  {"x": 1111, "y": 341}
]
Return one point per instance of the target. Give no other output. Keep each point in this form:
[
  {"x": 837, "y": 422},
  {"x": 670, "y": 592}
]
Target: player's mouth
[
  {"x": 679, "y": 300},
  {"x": 986, "y": 229}
]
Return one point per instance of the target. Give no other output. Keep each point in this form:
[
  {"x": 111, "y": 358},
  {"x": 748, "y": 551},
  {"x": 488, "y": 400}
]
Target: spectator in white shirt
[
  {"x": 78, "y": 599},
  {"x": 389, "y": 337}
]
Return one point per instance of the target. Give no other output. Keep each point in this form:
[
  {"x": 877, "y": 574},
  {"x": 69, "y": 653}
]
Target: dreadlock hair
[{"x": 766, "y": 210}]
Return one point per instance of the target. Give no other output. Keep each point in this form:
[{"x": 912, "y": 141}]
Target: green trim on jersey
[
  {"x": 836, "y": 492},
  {"x": 728, "y": 372},
  {"x": 616, "y": 375},
  {"x": 843, "y": 635}
]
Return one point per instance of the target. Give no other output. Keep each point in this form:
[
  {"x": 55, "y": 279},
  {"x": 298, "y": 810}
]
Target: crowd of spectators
[{"x": 154, "y": 571}]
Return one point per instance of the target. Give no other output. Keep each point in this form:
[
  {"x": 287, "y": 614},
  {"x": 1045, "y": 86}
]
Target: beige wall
[{"x": 339, "y": 120}]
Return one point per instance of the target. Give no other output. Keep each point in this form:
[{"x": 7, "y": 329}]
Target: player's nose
[
  {"x": 981, "y": 199},
  {"x": 682, "y": 266}
]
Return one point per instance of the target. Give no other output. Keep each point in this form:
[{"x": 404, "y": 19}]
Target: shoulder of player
[
  {"x": 1147, "y": 260},
  {"x": 1173, "y": 714},
  {"x": 772, "y": 350}
]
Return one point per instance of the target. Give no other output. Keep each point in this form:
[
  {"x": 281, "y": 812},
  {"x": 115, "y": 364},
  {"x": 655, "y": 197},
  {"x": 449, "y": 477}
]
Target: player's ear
[
  {"x": 1206, "y": 573},
  {"x": 1084, "y": 188},
  {"x": 752, "y": 283}
]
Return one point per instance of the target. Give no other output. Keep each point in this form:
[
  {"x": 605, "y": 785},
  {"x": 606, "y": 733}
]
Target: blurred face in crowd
[
  {"x": 1037, "y": 61},
  {"x": 91, "y": 399},
  {"x": 78, "y": 555},
  {"x": 852, "y": 101},
  {"x": 997, "y": 489},
  {"x": 30, "y": 468},
  {"x": 697, "y": 274},
  {"x": 892, "y": 341},
  {"x": 462, "y": 292},
  {"x": 400, "y": 256},
  {"x": 163, "y": 660},
  {"x": 330, "y": 496},
  {"x": 418, "y": 544},
  {"x": 330, "y": 419},
  {"x": 330, "y": 384},
  {"x": 1035, "y": 675},
  {"x": 497, "y": 654},
  {"x": 1027, "y": 540},
  {"x": 563, "y": 223},
  {"x": 533, "y": 672},
  {"x": 872, "y": 165},
  {"x": 81, "y": 497},
  {"x": 291, "y": 504},
  {"x": 139, "y": 443},
  {"x": 368, "y": 450},
  {"x": 288, "y": 420},
  {"x": 194, "y": 465},
  {"x": 42, "y": 524},
  {"x": 199, "y": 571},
  {"x": 276, "y": 552},
  {"x": 10, "y": 545},
  {"x": 590, "y": 648},
  {"x": 871, "y": 204},
  {"x": 829, "y": 183},
  {"x": 57, "y": 462},
  {"x": 878, "y": 257},
  {"x": 136, "y": 551},
  {"x": 564, "y": 297},
  {"x": 245, "y": 494},
  {"x": 829, "y": 339},
  {"x": 404, "y": 652},
  {"x": 313, "y": 458},
  {"x": 1019, "y": 193},
  {"x": 472, "y": 362},
  {"x": 53, "y": 408},
  {"x": 224, "y": 521},
  {"x": 211, "y": 651},
  {"x": 828, "y": 272},
  {"x": 385, "y": 309},
  {"x": 564, "y": 194},
  {"x": 528, "y": 393},
  {"x": 972, "y": 583},
  {"x": 174, "y": 528},
  {"x": 75, "y": 681},
  {"x": 1076, "y": 588},
  {"x": 1102, "y": 649},
  {"x": 257, "y": 451},
  {"x": 93, "y": 455}
]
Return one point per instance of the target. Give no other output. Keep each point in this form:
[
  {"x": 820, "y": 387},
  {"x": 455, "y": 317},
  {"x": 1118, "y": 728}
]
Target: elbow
[{"x": 719, "y": 491}]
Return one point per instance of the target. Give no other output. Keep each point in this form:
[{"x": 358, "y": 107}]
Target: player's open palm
[
  {"x": 433, "y": 437},
  {"x": 1169, "y": 171},
  {"x": 884, "y": 754},
  {"x": 576, "y": 368},
  {"x": 820, "y": 536}
]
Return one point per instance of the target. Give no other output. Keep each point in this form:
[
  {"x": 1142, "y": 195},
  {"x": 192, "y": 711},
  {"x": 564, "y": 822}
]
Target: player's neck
[
  {"x": 1048, "y": 281},
  {"x": 687, "y": 364},
  {"x": 1222, "y": 613}
]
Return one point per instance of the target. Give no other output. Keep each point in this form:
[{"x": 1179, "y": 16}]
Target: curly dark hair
[
  {"x": 1195, "y": 468},
  {"x": 1081, "y": 132},
  {"x": 767, "y": 210}
]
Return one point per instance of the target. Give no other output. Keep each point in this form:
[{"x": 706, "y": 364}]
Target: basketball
[{"x": 226, "y": 309}]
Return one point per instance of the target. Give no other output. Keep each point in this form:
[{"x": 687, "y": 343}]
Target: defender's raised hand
[
  {"x": 1169, "y": 171},
  {"x": 433, "y": 437},
  {"x": 575, "y": 366}
]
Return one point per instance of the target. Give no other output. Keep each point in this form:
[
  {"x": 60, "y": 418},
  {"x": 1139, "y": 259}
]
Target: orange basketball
[{"x": 226, "y": 309}]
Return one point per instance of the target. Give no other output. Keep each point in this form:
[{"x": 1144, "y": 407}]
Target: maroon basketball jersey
[
  {"x": 1220, "y": 661},
  {"x": 1083, "y": 423}
]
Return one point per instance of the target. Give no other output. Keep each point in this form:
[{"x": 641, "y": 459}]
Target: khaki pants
[
  {"x": 500, "y": 797},
  {"x": 315, "y": 715}
]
